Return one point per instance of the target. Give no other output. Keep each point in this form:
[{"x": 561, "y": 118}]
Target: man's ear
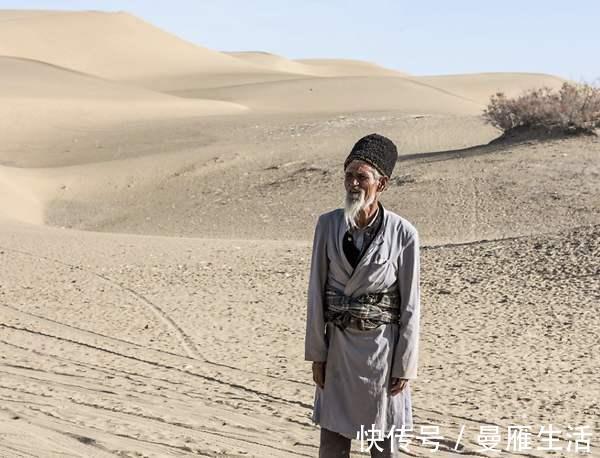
[{"x": 383, "y": 182}]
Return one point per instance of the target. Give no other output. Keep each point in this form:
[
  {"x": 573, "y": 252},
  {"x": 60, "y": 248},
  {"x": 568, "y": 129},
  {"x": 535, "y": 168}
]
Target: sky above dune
[{"x": 427, "y": 37}]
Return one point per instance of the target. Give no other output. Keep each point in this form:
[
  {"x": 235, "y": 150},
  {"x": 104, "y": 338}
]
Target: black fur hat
[{"x": 377, "y": 150}]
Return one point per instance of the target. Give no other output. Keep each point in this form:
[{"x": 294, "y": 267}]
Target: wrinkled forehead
[{"x": 358, "y": 165}]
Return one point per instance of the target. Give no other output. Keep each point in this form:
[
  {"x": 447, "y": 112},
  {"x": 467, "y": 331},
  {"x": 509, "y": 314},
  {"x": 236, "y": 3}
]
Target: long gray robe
[{"x": 361, "y": 363}]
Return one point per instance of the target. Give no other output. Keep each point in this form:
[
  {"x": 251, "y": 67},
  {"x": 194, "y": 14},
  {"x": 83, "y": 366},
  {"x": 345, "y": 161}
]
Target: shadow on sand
[{"x": 517, "y": 137}]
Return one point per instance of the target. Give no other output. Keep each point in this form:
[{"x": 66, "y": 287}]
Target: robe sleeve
[
  {"x": 407, "y": 346},
  {"x": 315, "y": 344}
]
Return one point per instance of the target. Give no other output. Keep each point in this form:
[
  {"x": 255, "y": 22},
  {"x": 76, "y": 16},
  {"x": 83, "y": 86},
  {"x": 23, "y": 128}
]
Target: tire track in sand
[
  {"x": 239, "y": 386},
  {"x": 128, "y": 342},
  {"x": 185, "y": 341}
]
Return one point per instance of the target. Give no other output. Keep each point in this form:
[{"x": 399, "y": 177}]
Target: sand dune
[
  {"x": 480, "y": 86},
  {"x": 27, "y": 78},
  {"x": 157, "y": 206},
  {"x": 316, "y": 67},
  {"x": 274, "y": 68},
  {"x": 111, "y": 45},
  {"x": 43, "y": 103},
  {"x": 274, "y": 62},
  {"x": 453, "y": 94},
  {"x": 348, "y": 67},
  {"x": 269, "y": 68},
  {"x": 186, "y": 83},
  {"x": 345, "y": 94}
]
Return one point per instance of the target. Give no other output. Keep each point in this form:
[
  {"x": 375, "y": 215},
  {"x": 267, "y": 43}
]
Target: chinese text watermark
[{"x": 490, "y": 438}]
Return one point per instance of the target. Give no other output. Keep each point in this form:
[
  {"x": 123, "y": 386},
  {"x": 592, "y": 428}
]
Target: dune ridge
[
  {"x": 111, "y": 45},
  {"x": 316, "y": 67}
]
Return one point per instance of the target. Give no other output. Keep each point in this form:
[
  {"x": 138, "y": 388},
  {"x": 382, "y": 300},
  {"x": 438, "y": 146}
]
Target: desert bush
[{"x": 575, "y": 108}]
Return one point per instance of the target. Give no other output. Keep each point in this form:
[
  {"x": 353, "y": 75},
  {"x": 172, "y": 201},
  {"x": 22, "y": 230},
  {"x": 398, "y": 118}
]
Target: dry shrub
[{"x": 575, "y": 108}]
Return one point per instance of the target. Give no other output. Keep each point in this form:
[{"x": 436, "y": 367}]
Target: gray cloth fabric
[{"x": 360, "y": 364}]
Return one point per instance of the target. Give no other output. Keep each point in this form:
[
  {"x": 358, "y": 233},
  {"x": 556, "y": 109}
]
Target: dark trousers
[{"x": 334, "y": 445}]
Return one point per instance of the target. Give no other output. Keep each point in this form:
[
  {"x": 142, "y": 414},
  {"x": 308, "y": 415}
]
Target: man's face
[{"x": 359, "y": 178}]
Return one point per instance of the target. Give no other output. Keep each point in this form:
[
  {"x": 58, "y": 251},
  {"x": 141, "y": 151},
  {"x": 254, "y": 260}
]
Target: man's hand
[
  {"x": 318, "y": 370},
  {"x": 398, "y": 385}
]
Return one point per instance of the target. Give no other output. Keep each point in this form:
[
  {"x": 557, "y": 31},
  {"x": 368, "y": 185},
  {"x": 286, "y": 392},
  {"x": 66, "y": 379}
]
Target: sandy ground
[{"x": 155, "y": 233}]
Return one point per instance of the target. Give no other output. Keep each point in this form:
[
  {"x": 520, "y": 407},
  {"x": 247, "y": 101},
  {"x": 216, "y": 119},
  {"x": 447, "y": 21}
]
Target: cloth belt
[{"x": 363, "y": 312}]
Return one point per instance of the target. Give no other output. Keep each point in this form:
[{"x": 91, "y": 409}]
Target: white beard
[{"x": 353, "y": 204}]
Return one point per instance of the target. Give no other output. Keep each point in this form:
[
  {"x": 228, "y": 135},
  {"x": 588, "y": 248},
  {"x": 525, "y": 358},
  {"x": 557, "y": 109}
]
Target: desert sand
[{"x": 157, "y": 207}]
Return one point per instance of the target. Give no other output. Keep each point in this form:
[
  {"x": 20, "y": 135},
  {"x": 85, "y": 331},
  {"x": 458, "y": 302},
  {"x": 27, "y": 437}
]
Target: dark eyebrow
[{"x": 360, "y": 175}]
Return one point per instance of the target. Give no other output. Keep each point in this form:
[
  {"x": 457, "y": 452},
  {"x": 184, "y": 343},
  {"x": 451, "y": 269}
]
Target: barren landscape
[{"x": 157, "y": 206}]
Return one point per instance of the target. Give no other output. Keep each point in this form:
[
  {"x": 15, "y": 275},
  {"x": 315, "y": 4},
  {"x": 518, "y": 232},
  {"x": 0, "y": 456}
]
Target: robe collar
[{"x": 377, "y": 240}]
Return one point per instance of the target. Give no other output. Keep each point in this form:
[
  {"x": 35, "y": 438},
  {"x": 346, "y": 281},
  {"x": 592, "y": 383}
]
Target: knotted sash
[{"x": 369, "y": 310}]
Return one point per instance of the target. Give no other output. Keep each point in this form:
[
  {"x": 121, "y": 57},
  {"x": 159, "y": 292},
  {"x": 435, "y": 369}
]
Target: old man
[{"x": 362, "y": 330}]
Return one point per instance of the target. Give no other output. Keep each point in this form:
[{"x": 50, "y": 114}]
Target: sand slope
[
  {"x": 162, "y": 346},
  {"x": 480, "y": 86},
  {"x": 274, "y": 62},
  {"x": 316, "y": 67},
  {"x": 21, "y": 196},
  {"x": 26, "y": 78},
  {"x": 342, "y": 94},
  {"x": 112, "y": 45},
  {"x": 271, "y": 68},
  {"x": 43, "y": 103},
  {"x": 348, "y": 67}
]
